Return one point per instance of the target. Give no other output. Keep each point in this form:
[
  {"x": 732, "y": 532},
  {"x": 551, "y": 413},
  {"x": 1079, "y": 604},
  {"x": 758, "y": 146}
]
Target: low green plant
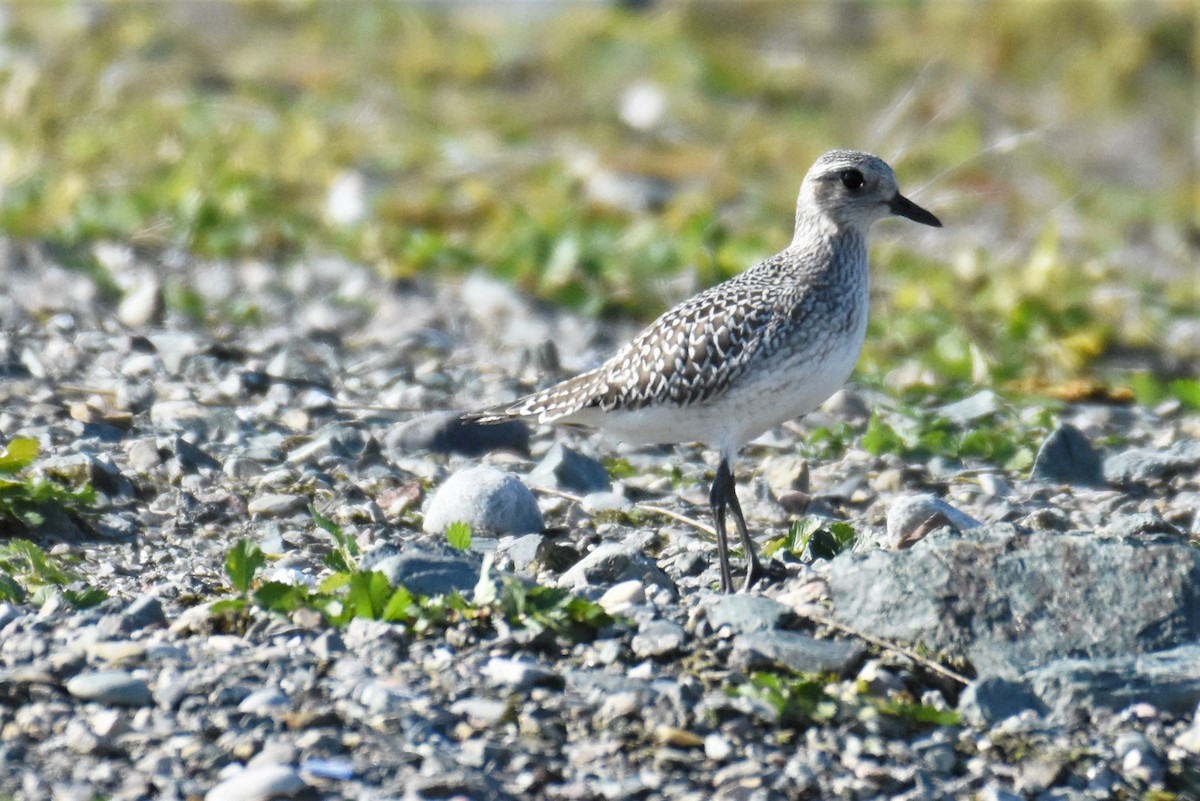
[
  {"x": 1003, "y": 438},
  {"x": 27, "y": 500},
  {"x": 553, "y": 609},
  {"x": 796, "y": 700},
  {"x": 27, "y": 573},
  {"x": 813, "y": 538},
  {"x": 799, "y": 699},
  {"x": 916, "y": 713},
  {"x": 827, "y": 442},
  {"x": 351, "y": 592}
]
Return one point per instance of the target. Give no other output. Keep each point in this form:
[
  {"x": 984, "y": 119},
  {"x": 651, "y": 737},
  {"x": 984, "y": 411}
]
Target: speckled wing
[{"x": 689, "y": 355}]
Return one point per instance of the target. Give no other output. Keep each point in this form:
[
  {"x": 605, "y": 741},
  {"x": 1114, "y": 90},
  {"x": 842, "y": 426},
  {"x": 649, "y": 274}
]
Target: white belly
[{"x": 771, "y": 393}]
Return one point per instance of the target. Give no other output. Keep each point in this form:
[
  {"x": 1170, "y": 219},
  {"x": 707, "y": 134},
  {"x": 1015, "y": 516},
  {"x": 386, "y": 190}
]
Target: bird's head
[{"x": 853, "y": 190}]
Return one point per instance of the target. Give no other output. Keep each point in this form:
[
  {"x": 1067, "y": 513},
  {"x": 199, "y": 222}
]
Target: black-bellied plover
[{"x": 738, "y": 359}]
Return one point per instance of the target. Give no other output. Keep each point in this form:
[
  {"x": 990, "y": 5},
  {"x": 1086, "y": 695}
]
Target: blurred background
[{"x": 613, "y": 158}]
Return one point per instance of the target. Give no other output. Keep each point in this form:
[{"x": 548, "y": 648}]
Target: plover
[{"x": 742, "y": 357}]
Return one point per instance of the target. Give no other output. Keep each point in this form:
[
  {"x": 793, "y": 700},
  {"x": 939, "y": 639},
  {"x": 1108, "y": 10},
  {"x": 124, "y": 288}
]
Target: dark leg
[
  {"x": 754, "y": 568},
  {"x": 718, "y": 497}
]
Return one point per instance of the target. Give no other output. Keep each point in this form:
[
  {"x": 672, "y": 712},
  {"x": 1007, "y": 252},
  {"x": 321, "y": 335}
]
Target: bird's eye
[{"x": 852, "y": 180}]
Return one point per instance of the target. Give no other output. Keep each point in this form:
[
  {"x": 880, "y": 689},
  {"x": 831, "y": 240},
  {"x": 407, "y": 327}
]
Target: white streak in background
[
  {"x": 346, "y": 203},
  {"x": 1005, "y": 144},
  {"x": 888, "y": 121},
  {"x": 642, "y": 105}
]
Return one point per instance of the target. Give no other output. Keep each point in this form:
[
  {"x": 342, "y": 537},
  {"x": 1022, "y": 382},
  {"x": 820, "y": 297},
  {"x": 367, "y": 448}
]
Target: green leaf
[
  {"x": 368, "y": 594},
  {"x": 35, "y": 562},
  {"x": 334, "y": 582},
  {"x": 10, "y": 589},
  {"x": 281, "y": 597},
  {"x": 85, "y": 598},
  {"x": 242, "y": 562},
  {"x": 918, "y": 713},
  {"x": 228, "y": 605},
  {"x": 18, "y": 454},
  {"x": 459, "y": 535},
  {"x": 399, "y": 606},
  {"x": 345, "y": 557}
]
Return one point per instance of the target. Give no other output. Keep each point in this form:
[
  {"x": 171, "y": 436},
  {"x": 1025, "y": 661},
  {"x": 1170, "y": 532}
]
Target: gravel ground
[{"x": 1065, "y": 611}]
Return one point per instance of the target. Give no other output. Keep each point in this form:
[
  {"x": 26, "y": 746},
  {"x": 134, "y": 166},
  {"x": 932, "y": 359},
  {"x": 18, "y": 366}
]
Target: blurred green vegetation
[{"x": 1054, "y": 140}]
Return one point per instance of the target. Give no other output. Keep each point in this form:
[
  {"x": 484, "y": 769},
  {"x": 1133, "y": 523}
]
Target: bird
[{"x": 765, "y": 346}]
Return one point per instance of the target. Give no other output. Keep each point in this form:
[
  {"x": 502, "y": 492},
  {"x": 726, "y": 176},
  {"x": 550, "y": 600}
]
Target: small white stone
[
  {"x": 620, "y": 597},
  {"x": 259, "y": 784},
  {"x": 717, "y": 747}
]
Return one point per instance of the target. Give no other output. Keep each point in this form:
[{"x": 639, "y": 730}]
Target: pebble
[
  {"x": 267, "y": 701},
  {"x": 114, "y": 687},
  {"x": 275, "y": 504},
  {"x": 447, "y": 432},
  {"x": 520, "y": 673},
  {"x": 564, "y": 469},
  {"x": 623, "y": 596},
  {"x": 1066, "y": 457},
  {"x": 260, "y": 783},
  {"x": 487, "y": 499},
  {"x": 658, "y": 638},
  {"x": 912, "y": 518},
  {"x": 797, "y": 652},
  {"x": 612, "y": 563},
  {"x": 744, "y": 614}
]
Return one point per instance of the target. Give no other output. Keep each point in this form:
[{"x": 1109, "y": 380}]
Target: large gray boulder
[{"x": 1008, "y": 601}]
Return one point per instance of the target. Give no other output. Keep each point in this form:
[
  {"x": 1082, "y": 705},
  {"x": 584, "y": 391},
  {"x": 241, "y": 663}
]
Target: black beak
[{"x": 904, "y": 207}]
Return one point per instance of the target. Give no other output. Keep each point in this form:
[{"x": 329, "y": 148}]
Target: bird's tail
[{"x": 552, "y": 403}]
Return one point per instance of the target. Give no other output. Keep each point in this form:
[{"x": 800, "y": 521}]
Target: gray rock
[
  {"x": 143, "y": 612},
  {"x": 481, "y": 711},
  {"x": 520, "y": 673},
  {"x": 1066, "y": 457},
  {"x": 746, "y": 613},
  {"x": 486, "y": 499},
  {"x": 1144, "y": 465},
  {"x": 143, "y": 303},
  {"x": 304, "y": 362},
  {"x": 259, "y": 783},
  {"x": 424, "y": 571},
  {"x": 914, "y": 517},
  {"x": 267, "y": 701},
  {"x": 114, "y": 687},
  {"x": 796, "y": 651},
  {"x": 523, "y": 551},
  {"x": 611, "y": 563},
  {"x": 191, "y": 458},
  {"x": 992, "y": 792},
  {"x": 1009, "y": 602},
  {"x": 1138, "y": 524},
  {"x": 8, "y": 613},
  {"x": 968, "y": 410},
  {"x": 1168, "y": 680},
  {"x": 563, "y": 468},
  {"x": 277, "y": 504},
  {"x": 597, "y": 502},
  {"x": 989, "y": 700},
  {"x": 658, "y": 638},
  {"x": 447, "y": 432}
]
